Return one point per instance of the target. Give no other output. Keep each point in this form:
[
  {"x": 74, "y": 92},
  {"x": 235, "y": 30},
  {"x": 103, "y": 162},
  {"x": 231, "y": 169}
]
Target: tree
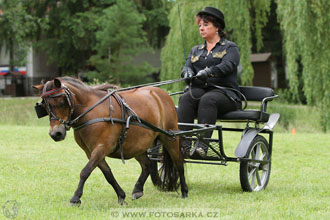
[
  {"x": 84, "y": 36},
  {"x": 305, "y": 26},
  {"x": 68, "y": 36},
  {"x": 16, "y": 29},
  {"x": 119, "y": 36},
  {"x": 238, "y": 22},
  {"x": 156, "y": 24}
]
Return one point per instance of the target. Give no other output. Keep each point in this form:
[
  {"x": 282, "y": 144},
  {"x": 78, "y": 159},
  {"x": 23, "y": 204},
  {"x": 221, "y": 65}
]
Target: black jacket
[{"x": 222, "y": 60}]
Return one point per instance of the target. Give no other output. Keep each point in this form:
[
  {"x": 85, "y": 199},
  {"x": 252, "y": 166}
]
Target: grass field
[{"x": 41, "y": 176}]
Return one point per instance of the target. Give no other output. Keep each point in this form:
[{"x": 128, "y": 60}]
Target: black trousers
[{"x": 210, "y": 103}]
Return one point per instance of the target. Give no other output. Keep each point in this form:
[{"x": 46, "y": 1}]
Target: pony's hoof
[
  {"x": 137, "y": 195},
  {"x": 122, "y": 202},
  {"x": 75, "y": 202},
  {"x": 184, "y": 195}
]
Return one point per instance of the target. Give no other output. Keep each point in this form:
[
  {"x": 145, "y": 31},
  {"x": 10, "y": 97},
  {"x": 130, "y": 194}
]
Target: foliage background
[
  {"x": 96, "y": 38},
  {"x": 238, "y": 21},
  {"x": 102, "y": 37},
  {"x": 306, "y": 32}
]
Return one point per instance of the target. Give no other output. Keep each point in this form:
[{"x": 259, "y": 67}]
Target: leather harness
[{"x": 128, "y": 115}]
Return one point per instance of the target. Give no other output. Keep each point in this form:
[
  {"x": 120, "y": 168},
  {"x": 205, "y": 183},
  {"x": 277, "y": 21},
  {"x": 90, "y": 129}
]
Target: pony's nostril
[{"x": 58, "y": 134}]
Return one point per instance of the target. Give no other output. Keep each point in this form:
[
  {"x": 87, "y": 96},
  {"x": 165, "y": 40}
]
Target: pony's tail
[{"x": 164, "y": 175}]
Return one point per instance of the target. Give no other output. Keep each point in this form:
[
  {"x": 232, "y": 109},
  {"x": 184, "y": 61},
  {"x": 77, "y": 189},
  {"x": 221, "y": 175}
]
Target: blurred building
[
  {"x": 265, "y": 72},
  {"x": 20, "y": 82}
]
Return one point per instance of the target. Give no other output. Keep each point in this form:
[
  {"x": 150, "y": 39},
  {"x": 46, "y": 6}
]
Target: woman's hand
[
  {"x": 204, "y": 74},
  {"x": 187, "y": 73}
]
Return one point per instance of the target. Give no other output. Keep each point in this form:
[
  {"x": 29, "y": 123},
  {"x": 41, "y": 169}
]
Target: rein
[
  {"x": 69, "y": 96},
  {"x": 128, "y": 115}
]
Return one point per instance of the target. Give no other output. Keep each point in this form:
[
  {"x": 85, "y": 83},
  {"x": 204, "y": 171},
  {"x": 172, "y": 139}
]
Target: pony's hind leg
[
  {"x": 145, "y": 163},
  {"x": 112, "y": 181}
]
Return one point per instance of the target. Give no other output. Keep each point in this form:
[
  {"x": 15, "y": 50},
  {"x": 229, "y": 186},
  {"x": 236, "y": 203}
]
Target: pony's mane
[
  {"x": 105, "y": 87},
  {"x": 73, "y": 81},
  {"x": 79, "y": 83}
]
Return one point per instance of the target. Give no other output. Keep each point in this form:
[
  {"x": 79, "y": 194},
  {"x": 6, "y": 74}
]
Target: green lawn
[{"x": 41, "y": 175}]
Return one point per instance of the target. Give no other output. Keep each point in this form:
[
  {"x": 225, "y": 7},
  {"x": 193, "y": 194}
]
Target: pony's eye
[
  {"x": 59, "y": 102},
  {"x": 62, "y": 103}
]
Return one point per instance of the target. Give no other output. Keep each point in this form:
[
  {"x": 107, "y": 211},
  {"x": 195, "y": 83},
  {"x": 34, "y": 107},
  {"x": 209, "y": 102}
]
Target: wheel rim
[{"x": 258, "y": 173}]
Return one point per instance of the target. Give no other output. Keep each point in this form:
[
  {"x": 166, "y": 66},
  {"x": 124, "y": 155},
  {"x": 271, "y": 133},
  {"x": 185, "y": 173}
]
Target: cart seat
[{"x": 252, "y": 93}]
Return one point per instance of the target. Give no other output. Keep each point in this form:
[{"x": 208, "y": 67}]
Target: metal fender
[
  {"x": 245, "y": 142},
  {"x": 250, "y": 134}
]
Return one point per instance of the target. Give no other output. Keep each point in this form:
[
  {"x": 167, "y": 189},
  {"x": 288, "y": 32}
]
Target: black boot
[{"x": 199, "y": 150}]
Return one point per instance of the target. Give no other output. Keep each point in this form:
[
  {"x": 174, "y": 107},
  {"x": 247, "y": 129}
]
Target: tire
[{"x": 254, "y": 176}]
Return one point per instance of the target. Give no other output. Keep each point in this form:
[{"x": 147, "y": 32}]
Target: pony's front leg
[{"x": 97, "y": 156}]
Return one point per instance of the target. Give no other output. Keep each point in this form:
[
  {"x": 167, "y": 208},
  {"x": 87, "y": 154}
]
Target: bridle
[{"x": 63, "y": 90}]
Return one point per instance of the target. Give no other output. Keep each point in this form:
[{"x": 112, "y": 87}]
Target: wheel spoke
[
  {"x": 258, "y": 178},
  {"x": 161, "y": 172},
  {"x": 252, "y": 172},
  {"x": 253, "y": 180},
  {"x": 263, "y": 156},
  {"x": 257, "y": 151},
  {"x": 253, "y": 154}
]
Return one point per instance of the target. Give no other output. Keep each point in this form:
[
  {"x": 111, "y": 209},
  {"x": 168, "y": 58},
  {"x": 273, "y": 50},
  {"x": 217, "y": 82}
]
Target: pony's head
[{"x": 58, "y": 103}]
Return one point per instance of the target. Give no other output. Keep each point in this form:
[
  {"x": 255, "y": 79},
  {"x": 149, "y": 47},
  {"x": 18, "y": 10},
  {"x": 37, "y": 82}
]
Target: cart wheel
[
  {"x": 254, "y": 176},
  {"x": 156, "y": 168}
]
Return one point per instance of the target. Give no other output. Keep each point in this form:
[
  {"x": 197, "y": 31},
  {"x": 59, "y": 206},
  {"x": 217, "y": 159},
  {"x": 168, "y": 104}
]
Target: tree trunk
[{"x": 11, "y": 55}]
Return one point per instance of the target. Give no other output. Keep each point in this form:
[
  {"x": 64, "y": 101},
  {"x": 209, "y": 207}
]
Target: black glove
[
  {"x": 187, "y": 73},
  {"x": 204, "y": 74}
]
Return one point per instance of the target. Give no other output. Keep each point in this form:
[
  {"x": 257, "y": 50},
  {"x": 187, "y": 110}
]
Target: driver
[{"x": 213, "y": 63}]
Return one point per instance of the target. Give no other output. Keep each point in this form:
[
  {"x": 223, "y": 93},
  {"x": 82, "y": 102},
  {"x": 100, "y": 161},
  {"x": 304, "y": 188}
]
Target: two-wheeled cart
[{"x": 254, "y": 150}]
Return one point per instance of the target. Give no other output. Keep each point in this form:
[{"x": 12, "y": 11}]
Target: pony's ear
[
  {"x": 57, "y": 83},
  {"x": 38, "y": 88}
]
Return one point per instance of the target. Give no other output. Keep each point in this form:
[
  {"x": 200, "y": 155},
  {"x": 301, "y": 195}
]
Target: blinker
[{"x": 40, "y": 110}]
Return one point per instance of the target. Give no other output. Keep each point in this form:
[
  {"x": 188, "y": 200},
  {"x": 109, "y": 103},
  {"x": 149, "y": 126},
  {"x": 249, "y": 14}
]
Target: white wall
[{"x": 4, "y": 58}]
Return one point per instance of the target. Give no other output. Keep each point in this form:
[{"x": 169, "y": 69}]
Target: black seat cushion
[{"x": 245, "y": 115}]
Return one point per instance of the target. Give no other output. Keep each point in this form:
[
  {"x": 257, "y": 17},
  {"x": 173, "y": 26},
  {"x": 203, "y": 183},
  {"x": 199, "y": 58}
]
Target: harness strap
[
  {"x": 115, "y": 120},
  {"x": 125, "y": 121},
  {"x": 123, "y": 128},
  {"x": 92, "y": 107},
  {"x": 154, "y": 128},
  {"x": 51, "y": 92}
]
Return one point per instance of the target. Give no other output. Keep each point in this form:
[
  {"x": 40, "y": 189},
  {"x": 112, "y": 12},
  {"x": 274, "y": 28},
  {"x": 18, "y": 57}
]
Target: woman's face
[{"x": 207, "y": 30}]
